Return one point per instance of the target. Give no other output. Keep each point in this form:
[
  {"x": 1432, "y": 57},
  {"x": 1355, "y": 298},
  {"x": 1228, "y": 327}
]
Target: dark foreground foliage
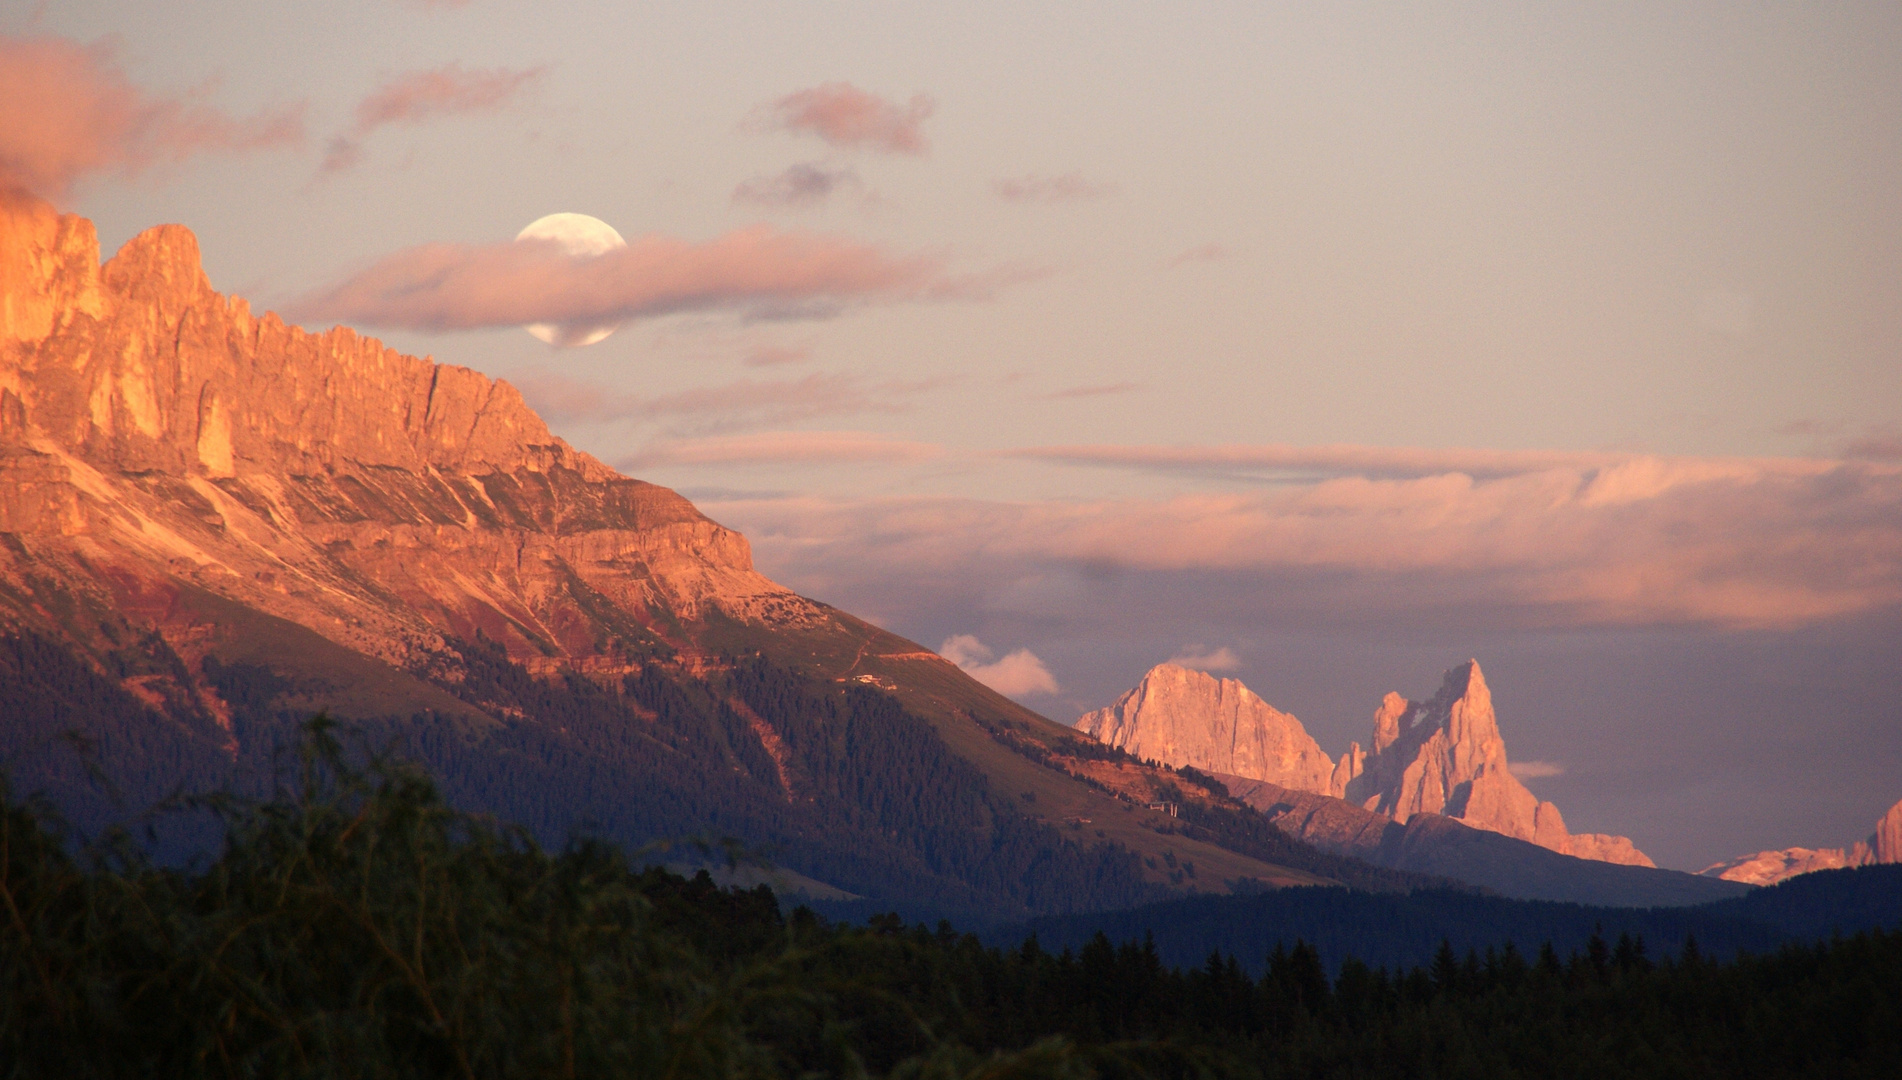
[
  {"x": 1404, "y": 930},
  {"x": 355, "y": 926}
]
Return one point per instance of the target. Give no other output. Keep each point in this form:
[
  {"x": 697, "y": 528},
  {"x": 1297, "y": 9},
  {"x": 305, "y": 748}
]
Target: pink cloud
[
  {"x": 756, "y": 271},
  {"x": 847, "y": 117},
  {"x": 415, "y": 96},
  {"x": 1205, "y": 253},
  {"x": 443, "y": 91},
  {"x": 782, "y": 447},
  {"x": 68, "y": 111},
  {"x": 798, "y": 186},
  {"x": 1018, "y": 674},
  {"x": 1031, "y": 188},
  {"x": 1726, "y": 542}
]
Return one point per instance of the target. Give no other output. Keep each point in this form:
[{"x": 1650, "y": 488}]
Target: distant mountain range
[
  {"x": 1882, "y": 846},
  {"x": 1440, "y": 756},
  {"x": 1434, "y": 794}
]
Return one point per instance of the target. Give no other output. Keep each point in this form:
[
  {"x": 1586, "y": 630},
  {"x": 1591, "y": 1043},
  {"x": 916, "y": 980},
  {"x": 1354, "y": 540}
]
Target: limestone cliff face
[
  {"x": 1885, "y": 844},
  {"x": 1446, "y": 756},
  {"x": 155, "y": 435},
  {"x": 1769, "y": 867},
  {"x": 1180, "y": 716}
]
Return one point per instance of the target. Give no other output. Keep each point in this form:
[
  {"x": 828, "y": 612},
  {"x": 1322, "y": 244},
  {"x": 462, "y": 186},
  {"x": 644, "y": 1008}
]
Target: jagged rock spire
[{"x": 1446, "y": 756}]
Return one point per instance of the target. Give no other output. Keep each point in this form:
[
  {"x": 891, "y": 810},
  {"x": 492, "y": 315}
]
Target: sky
[{"x": 1323, "y": 347}]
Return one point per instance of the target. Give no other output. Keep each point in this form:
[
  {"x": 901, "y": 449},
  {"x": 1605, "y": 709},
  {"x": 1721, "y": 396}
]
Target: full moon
[{"x": 578, "y": 235}]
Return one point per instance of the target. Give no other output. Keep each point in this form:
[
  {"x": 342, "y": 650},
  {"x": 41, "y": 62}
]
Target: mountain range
[
  {"x": 214, "y": 524},
  {"x": 1435, "y": 794},
  {"x": 1881, "y": 847},
  {"x": 1441, "y": 756}
]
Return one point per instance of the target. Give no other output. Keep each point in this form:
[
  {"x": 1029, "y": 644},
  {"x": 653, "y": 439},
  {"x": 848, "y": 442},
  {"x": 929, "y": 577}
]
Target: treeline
[
  {"x": 354, "y": 925},
  {"x": 1401, "y": 930}
]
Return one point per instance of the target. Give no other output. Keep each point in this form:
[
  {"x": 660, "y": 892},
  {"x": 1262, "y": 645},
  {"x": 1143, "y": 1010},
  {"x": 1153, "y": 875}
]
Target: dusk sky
[{"x": 1322, "y": 348}]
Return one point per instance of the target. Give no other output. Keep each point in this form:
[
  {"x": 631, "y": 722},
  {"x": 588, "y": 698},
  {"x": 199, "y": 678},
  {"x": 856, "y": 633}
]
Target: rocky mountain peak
[
  {"x": 49, "y": 268},
  {"x": 1885, "y": 844},
  {"x": 159, "y": 268},
  {"x": 1440, "y": 756},
  {"x": 1394, "y": 711},
  {"x": 1467, "y": 703},
  {"x": 1446, "y": 756},
  {"x": 1180, "y": 716},
  {"x": 147, "y": 421}
]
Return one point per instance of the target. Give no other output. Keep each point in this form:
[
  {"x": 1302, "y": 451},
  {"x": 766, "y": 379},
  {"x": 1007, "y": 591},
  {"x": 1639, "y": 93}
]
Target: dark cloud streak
[{"x": 798, "y": 187}]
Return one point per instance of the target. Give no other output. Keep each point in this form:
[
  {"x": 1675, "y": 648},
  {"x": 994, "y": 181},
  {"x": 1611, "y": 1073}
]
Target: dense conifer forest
[
  {"x": 868, "y": 797},
  {"x": 1401, "y": 930},
  {"x": 355, "y": 925}
]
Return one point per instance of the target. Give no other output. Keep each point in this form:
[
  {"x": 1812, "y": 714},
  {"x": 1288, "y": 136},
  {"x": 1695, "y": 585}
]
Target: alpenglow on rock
[
  {"x": 216, "y": 524},
  {"x": 1180, "y": 716},
  {"x": 1445, "y": 756},
  {"x": 157, "y": 436},
  {"x": 1769, "y": 867}
]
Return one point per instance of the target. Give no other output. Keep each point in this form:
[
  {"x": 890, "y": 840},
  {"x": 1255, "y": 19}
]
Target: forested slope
[{"x": 357, "y": 926}]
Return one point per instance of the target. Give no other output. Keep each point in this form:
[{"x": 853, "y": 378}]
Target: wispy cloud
[
  {"x": 781, "y": 447},
  {"x": 1281, "y": 459},
  {"x": 67, "y": 111},
  {"x": 845, "y": 116},
  {"x": 1206, "y": 253},
  {"x": 1640, "y": 541},
  {"x": 1535, "y": 770},
  {"x": 1878, "y": 445},
  {"x": 737, "y": 404},
  {"x": 757, "y": 271},
  {"x": 1202, "y": 658},
  {"x": 1094, "y": 390},
  {"x": 1017, "y": 674},
  {"x": 417, "y": 96},
  {"x": 1032, "y": 188}
]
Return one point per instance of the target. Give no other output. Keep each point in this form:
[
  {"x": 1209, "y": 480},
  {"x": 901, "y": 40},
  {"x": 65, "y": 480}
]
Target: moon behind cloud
[{"x": 579, "y": 235}]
